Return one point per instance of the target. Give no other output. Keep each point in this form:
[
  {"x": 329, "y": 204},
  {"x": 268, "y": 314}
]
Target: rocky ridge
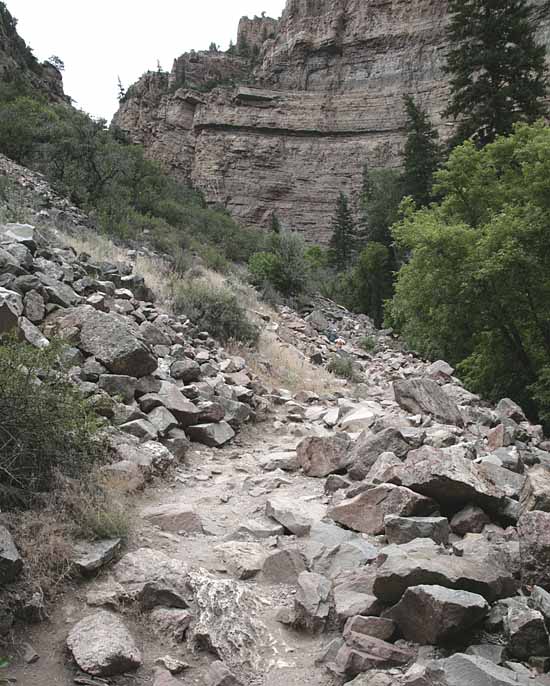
[
  {"x": 286, "y": 132},
  {"x": 393, "y": 531}
]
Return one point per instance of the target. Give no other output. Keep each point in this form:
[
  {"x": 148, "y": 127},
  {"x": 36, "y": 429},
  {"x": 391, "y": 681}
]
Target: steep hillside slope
[
  {"x": 292, "y": 125},
  {"x": 18, "y": 66}
]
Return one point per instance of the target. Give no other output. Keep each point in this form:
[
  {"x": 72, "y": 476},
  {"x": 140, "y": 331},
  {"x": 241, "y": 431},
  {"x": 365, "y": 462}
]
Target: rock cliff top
[{"x": 323, "y": 95}]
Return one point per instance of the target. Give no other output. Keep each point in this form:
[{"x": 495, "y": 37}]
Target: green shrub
[
  {"x": 284, "y": 266},
  {"x": 476, "y": 288},
  {"x": 216, "y": 310},
  {"x": 368, "y": 343},
  {"x": 130, "y": 196},
  {"x": 46, "y": 427},
  {"x": 342, "y": 366}
]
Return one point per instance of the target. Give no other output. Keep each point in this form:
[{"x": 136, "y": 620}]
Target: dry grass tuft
[
  {"x": 281, "y": 365},
  {"x": 89, "y": 509}
]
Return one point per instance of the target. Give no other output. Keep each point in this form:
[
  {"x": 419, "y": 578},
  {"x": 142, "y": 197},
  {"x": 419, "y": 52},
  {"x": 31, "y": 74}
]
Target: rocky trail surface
[{"x": 393, "y": 531}]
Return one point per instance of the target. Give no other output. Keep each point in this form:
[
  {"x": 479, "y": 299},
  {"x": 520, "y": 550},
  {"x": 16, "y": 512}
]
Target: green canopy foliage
[{"x": 476, "y": 289}]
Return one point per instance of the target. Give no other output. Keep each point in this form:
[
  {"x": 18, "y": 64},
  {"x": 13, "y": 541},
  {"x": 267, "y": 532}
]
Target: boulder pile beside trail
[{"x": 396, "y": 531}]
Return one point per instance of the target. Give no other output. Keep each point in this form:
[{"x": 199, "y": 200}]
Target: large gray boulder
[
  {"x": 11, "y": 308},
  {"x": 425, "y": 396},
  {"x": 422, "y": 562},
  {"x": 170, "y": 397},
  {"x": 102, "y": 646},
  {"x": 401, "y": 530},
  {"x": 450, "y": 479},
  {"x": 526, "y": 632},
  {"x": 470, "y": 670},
  {"x": 369, "y": 447},
  {"x": 367, "y": 511},
  {"x": 534, "y": 546},
  {"x": 321, "y": 456},
  {"x": 11, "y": 563},
  {"x": 212, "y": 435},
  {"x": 312, "y": 602},
  {"x": 434, "y": 614},
  {"x": 112, "y": 339},
  {"x": 535, "y": 494}
]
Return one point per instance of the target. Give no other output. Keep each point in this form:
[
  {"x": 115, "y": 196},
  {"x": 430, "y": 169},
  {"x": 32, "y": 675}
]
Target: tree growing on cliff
[
  {"x": 496, "y": 67},
  {"x": 422, "y": 154},
  {"x": 342, "y": 241}
]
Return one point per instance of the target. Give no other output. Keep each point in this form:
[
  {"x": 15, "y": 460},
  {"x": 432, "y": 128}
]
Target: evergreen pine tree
[
  {"x": 121, "y": 90},
  {"x": 496, "y": 67},
  {"x": 275, "y": 224},
  {"x": 342, "y": 242},
  {"x": 422, "y": 154}
]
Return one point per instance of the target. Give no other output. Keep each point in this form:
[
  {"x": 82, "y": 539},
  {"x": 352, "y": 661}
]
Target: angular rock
[
  {"x": 293, "y": 515},
  {"x": 471, "y": 519},
  {"x": 284, "y": 566},
  {"x": 312, "y": 602},
  {"x": 366, "y": 512},
  {"x": 425, "y": 396},
  {"x": 450, "y": 479},
  {"x": 422, "y": 562},
  {"x": 11, "y": 563},
  {"x": 163, "y": 420},
  {"x": 220, "y": 675},
  {"x": 112, "y": 339},
  {"x": 102, "y": 645},
  {"x": 92, "y": 556},
  {"x": 187, "y": 370},
  {"x": 434, "y": 614},
  {"x": 170, "y": 397},
  {"x": 534, "y": 545},
  {"x": 259, "y": 528},
  {"x": 243, "y": 560},
  {"x": 35, "y": 308},
  {"x": 119, "y": 385},
  {"x": 401, "y": 530},
  {"x": 32, "y": 334},
  {"x": 11, "y": 308},
  {"x": 363, "y": 653},
  {"x": 153, "y": 335},
  {"x": 212, "y": 435},
  {"x": 460, "y": 670},
  {"x": 540, "y": 600},
  {"x": 508, "y": 409},
  {"x": 140, "y": 428},
  {"x": 535, "y": 494},
  {"x": 526, "y": 633},
  {"x": 171, "y": 622},
  {"x": 377, "y": 627},
  {"x": 321, "y": 456},
  {"x": 145, "y": 566},
  {"x": 174, "y": 517},
  {"x": 369, "y": 447}
]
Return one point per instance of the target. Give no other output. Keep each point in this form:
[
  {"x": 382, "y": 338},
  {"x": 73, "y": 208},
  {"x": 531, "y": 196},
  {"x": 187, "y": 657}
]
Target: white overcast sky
[{"x": 101, "y": 39}]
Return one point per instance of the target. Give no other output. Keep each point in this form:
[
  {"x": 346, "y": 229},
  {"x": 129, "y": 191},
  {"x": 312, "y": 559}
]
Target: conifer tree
[
  {"x": 496, "y": 67},
  {"x": 275, "y": 224},
  {"x": 342, "y": 242},
  {"x": 422, "y": 154}
]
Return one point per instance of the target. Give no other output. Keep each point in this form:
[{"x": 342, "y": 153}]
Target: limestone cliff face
[
  {"x": 323, "y": 97},
  {"x": 19, "y": 66}
]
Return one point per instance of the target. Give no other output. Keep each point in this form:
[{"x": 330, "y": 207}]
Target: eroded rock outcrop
[{"x": 285, "y": 133}]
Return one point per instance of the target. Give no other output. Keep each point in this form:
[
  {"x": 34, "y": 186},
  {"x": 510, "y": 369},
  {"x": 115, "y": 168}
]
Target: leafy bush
[
  {"x": 129, "y": 195},
  {"x": 342, "y": 366},
  {"x": 46, "y": 427},
  {"x": 476, "y": 290},
  {"x": 368, "y": 343},
  {"x": 215, "y": 309},
  {"x": 283, "y": 266}
]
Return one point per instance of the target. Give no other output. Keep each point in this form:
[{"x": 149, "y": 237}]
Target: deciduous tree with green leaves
[
  {"x": 496, "y": 67},
  {"x": 476, "y": 290}
]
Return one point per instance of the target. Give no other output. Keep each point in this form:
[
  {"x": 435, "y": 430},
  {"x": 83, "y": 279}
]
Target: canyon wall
[{"x": 286, "y": 127}]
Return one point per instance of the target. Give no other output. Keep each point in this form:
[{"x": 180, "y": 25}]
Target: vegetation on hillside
[
  {"x": 128, "y": 195},
  {"x": 476, "y": 287}
]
